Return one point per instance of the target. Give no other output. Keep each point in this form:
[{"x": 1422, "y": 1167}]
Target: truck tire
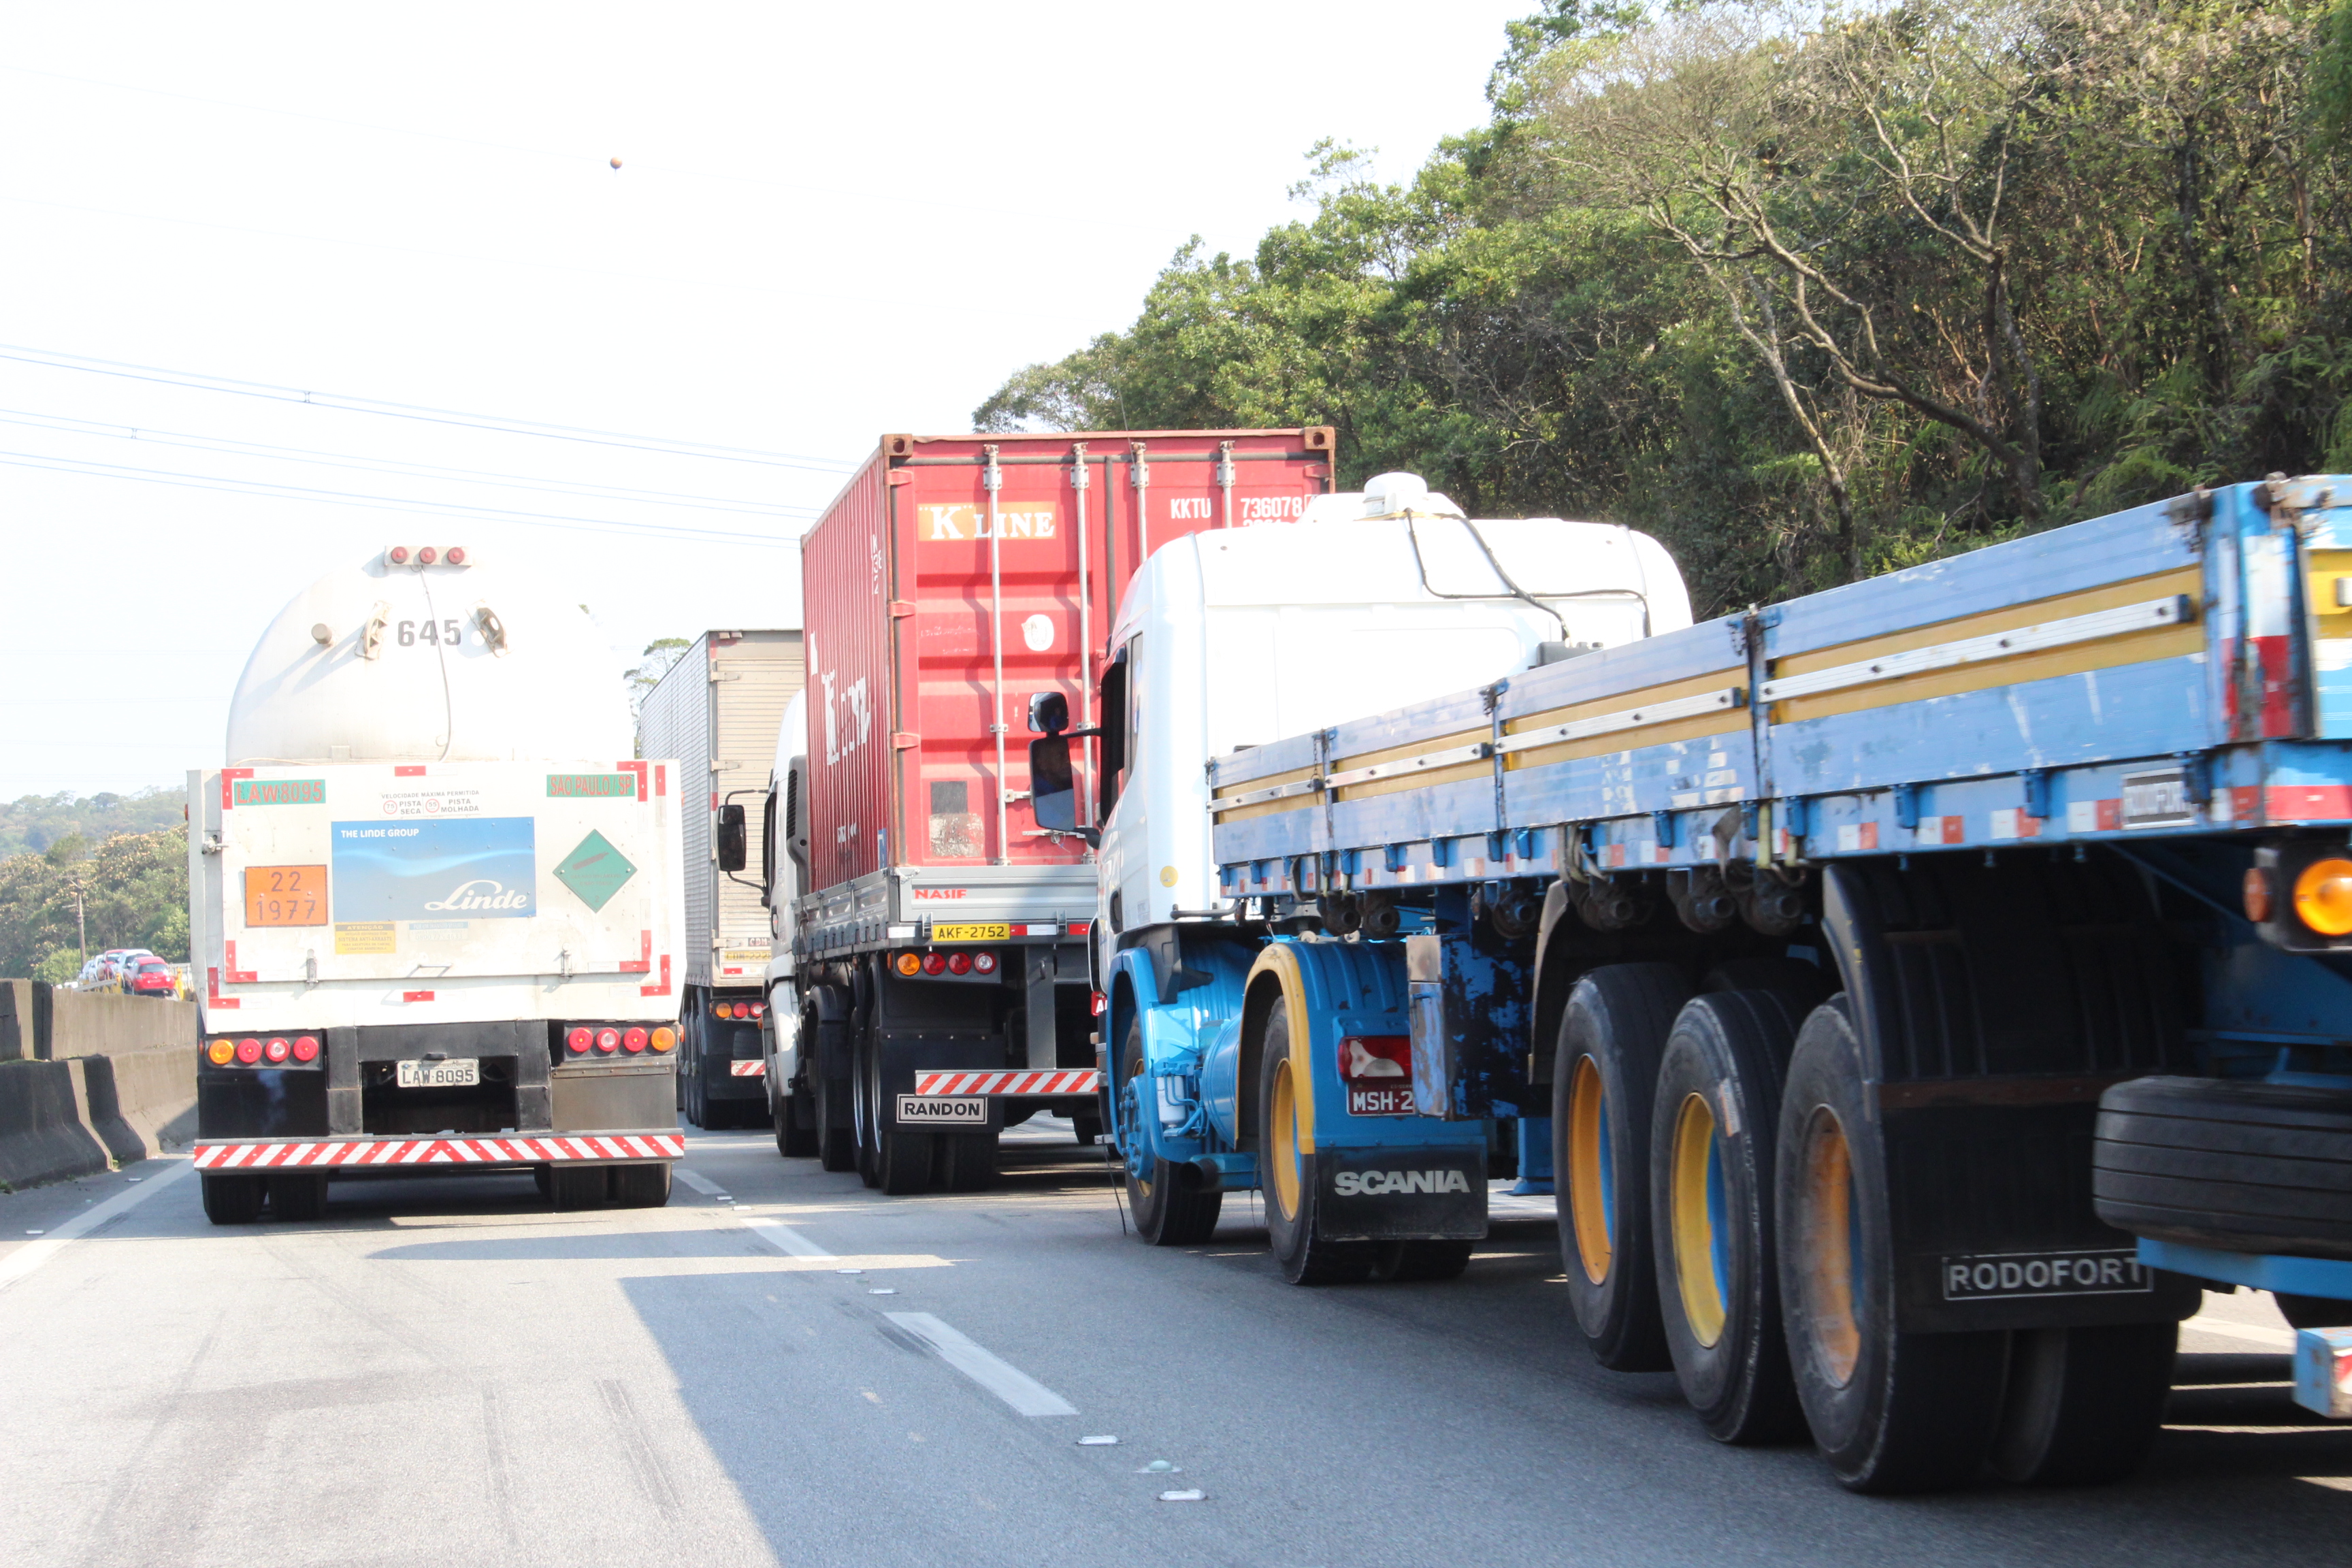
[
  {"x": 233, "y": 1200},
  {"x": 1892, "y": 1412},
  {"x": 1612, "y": 1033},
  {"x": 641, "y": 1186},
  {"x": 1801, "y": 986},
  {"x": 902, "y": 1164},
  {"x": 1300, "y": 1250},
  {"x": 576, "y": 1186},
  {"x": 1168, "y": 1211},
  {"x": 867, "y": 1099},
  {"x": 967, "y": 1162},
  {"x": 795, "y": 1140},
  {"x": 1712, "y": 1138},
  {"x": 836, "y": 1133},
  {"x": 2240, "y": 1166},
  {"x": 297, "y": 1198},
  {"x": 2083, "y": 1405},
  {"x": 1396, "y": 1262}
]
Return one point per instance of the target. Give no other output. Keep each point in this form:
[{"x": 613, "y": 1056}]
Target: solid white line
[
  {"x": 698, "y": 1182},
  {"x": 33, "y": 1254},
  {"x": 785, "y": 1239},
  {"x": 2253, "y": 1333},
  {"x": 999, "y": 1377}
]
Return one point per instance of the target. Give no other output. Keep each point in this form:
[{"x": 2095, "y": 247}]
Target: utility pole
[{"x": 81, "y": 921}]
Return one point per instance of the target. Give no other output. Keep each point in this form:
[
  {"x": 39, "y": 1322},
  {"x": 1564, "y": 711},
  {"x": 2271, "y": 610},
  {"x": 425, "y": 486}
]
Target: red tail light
[
  {"x": 608, "y": 1040},
  {"x": 249, "y": 1051},
  {"x": 455, "y": 555},
  {"x": 427, "y": 556},
  {"x": 578, "y": 1041},
  {"x": 984, "y": 962},
  {"x": 278, "y": 1050},
  {"x": 759, "y": 1009},
  {"x": 1370, "y": 1059},
  {"x": 935, "y": 964},
  {"x": 635, "y": 1040},
  {"x": 959, "y": 963},
  {"x": 306, "y": 1049},
  {"x": 397, "y": 555}
]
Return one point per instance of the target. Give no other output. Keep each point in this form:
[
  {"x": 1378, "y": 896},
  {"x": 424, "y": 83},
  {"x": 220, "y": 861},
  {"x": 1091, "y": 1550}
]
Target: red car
[{"x": 148, "y": 976}]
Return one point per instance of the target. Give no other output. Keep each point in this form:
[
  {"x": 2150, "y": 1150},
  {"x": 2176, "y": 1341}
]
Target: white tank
[{"x": 423, "y": 654}]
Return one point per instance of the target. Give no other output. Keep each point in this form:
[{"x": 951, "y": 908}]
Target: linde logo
[
  {"x": 1378, "y": 1183},
  {"x": 926, "y": 895},
  {"x": 481, "y": 893}
]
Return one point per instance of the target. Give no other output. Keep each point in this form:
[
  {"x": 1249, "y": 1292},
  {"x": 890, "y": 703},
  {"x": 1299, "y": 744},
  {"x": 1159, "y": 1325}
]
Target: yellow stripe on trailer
[
  {"x": 1480, "y": 769},
  {"x": 1726, "y": 721},
  {"x": 1220, "y": 812}
]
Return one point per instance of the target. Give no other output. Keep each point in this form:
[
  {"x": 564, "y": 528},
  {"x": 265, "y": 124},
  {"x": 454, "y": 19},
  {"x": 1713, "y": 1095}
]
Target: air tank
[{"x": 425, "y": 654}]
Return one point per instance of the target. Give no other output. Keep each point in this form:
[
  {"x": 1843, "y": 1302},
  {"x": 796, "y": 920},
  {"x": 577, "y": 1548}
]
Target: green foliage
[
  {"x": 2038, "y": 259},
  {"x": 36, "y": 822},
  {"x": 661, "y": 655},
  {"x": 134, "y": 893}
]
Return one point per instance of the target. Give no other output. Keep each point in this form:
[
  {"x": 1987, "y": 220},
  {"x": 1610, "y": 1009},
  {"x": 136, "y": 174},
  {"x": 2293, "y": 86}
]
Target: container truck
[
  {"x": 434, "y": 899},
  {"x": 1919, "y": 991},
  {"x": 718, "y": 711},
  {"x": 941, "y": 962}
]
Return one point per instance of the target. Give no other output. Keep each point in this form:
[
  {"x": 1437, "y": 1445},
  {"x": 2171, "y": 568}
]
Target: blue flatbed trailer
[{"x": 2008, "y": 896}]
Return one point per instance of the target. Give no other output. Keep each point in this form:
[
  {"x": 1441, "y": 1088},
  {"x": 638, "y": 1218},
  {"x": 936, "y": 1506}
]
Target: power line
[
  {"x": 388, "y": 466},
  {"x": 429, "y": 415},
  {"x": 386, "y": 503}
]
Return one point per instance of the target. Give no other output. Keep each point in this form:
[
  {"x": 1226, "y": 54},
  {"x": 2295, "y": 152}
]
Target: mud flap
[{"x": 1399, "y": 1193}]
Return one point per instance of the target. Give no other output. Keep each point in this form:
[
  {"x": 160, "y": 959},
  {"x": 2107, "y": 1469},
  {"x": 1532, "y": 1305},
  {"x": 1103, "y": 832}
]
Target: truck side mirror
[
  {"x": 734, "y": 840},
  {"x": 1049, "y": 713},
  {"x": 1053, "y": 790}
]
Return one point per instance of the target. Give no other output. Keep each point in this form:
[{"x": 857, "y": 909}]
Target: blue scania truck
[{"x": 1920, "y": 991}]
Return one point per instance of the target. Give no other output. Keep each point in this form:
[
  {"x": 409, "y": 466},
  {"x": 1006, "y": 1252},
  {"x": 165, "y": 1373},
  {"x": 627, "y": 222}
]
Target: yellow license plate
[{"x": 971, "y": 932}]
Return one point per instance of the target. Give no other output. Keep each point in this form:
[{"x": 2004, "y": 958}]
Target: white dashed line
[
  {"x": 784, "y": 1238},
  {"x": 999, "y": 1377},
  {"x": 698, "y": 1182}
]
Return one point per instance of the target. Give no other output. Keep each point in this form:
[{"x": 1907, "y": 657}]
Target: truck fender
[
  {"x": 1555, "y": 978},
  {"x": 1176, "y": 1036},
  {"x": 784, "y": 1044}
]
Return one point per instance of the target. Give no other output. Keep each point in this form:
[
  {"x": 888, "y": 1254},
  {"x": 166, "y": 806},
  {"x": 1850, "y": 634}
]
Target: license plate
[
  {"x": 943, "y": 1110},
  {"x": 1001, "y": 932},
  {"x": 2158, "y": 799},
  {"x": 463, "y": 1074},
  {"x": 1381, "y": 1101}
]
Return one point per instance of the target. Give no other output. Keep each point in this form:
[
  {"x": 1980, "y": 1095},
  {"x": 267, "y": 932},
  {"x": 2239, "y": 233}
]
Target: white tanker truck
[{"x": 434, "y": 900}]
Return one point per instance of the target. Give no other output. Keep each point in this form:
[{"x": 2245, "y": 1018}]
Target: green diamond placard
[{"x": 595, "y": 871}]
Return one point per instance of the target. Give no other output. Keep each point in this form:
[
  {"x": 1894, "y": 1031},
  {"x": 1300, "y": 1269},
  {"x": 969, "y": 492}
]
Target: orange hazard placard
[{"x": 286, "y": 895}]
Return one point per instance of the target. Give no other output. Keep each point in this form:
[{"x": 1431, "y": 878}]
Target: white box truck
[
  {"x": 718, "y": 711},
  {"x": 434, "y": 902}
]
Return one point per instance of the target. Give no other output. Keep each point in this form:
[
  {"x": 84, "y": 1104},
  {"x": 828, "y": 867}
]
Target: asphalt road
[{"x": 782, "y": 1367}]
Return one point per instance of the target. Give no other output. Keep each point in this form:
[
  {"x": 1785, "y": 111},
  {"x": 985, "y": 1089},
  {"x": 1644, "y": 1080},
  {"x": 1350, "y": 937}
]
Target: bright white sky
[{"x": 830, "y": 221}]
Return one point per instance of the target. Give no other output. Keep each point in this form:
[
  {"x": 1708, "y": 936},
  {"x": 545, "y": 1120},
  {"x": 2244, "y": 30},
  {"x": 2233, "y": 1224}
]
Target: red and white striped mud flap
[
  {"x": 288, "y": 1154},
  {"x": 1067, "y": 1081},
  {"x": 747, "y": 1069}
]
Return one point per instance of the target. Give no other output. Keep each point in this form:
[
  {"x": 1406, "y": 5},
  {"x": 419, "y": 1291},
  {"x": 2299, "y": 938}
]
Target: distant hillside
[{"x": 34, "y": 821}]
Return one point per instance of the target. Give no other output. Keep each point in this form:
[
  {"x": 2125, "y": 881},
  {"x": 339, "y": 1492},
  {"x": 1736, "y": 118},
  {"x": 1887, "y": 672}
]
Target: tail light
[
  {"x": 722, "y": 1009},
  {"x": 935, "y": 964},
  {"x": 959, "y": 963},
  {"x": 983, "y": 963},
  {"x": 2323, "y": 896},
  {"x": 397, "y": 555},
  {"x": 907, "y": 964},
  {"x": 221, "y": 1052},
  {"x": 427, "y": 556},
  {"x": 249, "y": 1051},
  {"x": 608, "y": 1040},
  {"x": 1369, "y": 1058},
  {"x": 306, "y": 1049},
  {"x": 578, "y": 1041},
  {"x": 634, "y": 1041},
  {"x": 454, "y": 555},
  {"x": 759, "y": 1009},
  {"x": 278, "y": 1050},
  {"x": 665, "y": 1039}
]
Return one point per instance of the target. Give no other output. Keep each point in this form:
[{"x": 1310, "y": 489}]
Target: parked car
[{"x": 148, "y": 975}]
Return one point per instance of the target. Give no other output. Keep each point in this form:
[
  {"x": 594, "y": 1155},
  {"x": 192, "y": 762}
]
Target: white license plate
[
  {"x": 1388, "y": 1099},
  {"x": 463, "y": 1074},
  {"x": 942, "y": 1110}
]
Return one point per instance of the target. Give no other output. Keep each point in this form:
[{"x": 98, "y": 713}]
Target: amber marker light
[
  {"x": 909, "y": 963},
  {"x": 665, "y": 1039},
  {"x": 221, "y": 1052},
  {"x": 2323, "y": 896},
  {"x": 2255, "y": 892}
]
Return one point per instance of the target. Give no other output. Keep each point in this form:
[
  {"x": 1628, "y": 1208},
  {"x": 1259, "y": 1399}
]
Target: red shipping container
[{"x": 927, "y": 629}]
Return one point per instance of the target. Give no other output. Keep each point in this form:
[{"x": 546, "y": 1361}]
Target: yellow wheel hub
[
  {"x": 1591, "y": 1184},
  {"x": 1701, "y": 1235},
  {"x": 1827, "y": 1247}
]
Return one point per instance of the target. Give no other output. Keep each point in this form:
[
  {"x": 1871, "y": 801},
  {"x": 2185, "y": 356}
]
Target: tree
[
  {"x": 135, "y": 895},
  {"x": 661, "y": 655}
]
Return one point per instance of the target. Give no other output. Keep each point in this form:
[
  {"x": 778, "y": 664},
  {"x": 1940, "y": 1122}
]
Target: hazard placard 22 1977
[{"x": 285, "y": 895}]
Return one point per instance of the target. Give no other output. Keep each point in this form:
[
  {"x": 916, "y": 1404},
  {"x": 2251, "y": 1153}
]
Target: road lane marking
[
  {"x": 2253, "y": 1333},
  {"x": 785, "y": 1239},
  {"x": 698, "y": 1182},
  {"x": 33, "y": 1254},
  {"x": 999, "y": 1377}
]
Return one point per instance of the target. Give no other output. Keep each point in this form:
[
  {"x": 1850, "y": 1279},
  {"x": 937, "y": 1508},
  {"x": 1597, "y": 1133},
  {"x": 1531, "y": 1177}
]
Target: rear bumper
[{"x": 440, "y": 1153}]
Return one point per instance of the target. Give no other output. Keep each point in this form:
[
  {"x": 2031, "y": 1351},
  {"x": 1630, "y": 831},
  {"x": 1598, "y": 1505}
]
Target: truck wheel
[
  {"x": 967, "y": 1162},
  {"x": 1168, "y": 1211},
  {"x": 902, "y": 1165},
  {"x": 641, "y": 1186},
  {"x": 1801, "y": 986},
  {"x": 303, "y": 1197},
  {"x": 1893, "y": 1412},
  {"x": 836, "y": 1135},
  {"x": 1612, "y": 1033},
  {"x": 1299, "y": 1249},
  {"x": 2084, "y": 1404},
  {"x": 1088, "y": 1128},
  {"x": 576, "y": 1186},
  {"x": 863, "y": 1100},
  {"x": 1711, "y": 1191},
  {"x": 1397, "y": 1261},
  {"x": 233, "y": 1200},
  {"x": 2243, "y": 1166},
  {"x": 794, "y": 1139}
]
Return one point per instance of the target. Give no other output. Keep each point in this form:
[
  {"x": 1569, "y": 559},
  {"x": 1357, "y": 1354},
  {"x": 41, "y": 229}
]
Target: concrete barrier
[
  {"x": 108, "y": 1024},
  {"x": 141, "y": 1102},
  {"x": 43, "y": 1136},
  {"x": 25, "y": 1015},
  {"x": 90, "y": 1079}
]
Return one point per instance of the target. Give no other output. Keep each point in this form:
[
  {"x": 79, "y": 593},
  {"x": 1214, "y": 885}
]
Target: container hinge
[{"x": 902, "y": 739}]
